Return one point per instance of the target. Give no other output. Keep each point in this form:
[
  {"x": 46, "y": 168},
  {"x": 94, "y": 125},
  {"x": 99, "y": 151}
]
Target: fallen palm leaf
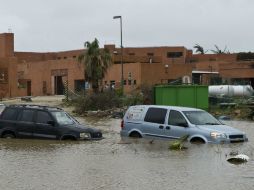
[{"x": 178, "y": 144}]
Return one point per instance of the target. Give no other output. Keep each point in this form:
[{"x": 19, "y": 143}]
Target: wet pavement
[{"x": 113, "y": 163}]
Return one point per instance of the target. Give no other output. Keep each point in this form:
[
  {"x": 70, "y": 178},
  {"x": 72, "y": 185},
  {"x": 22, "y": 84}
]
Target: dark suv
[{"x": 43, "y": 122}]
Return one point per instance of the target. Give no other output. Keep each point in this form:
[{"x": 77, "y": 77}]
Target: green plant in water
[{"x": 178, "y": 144}]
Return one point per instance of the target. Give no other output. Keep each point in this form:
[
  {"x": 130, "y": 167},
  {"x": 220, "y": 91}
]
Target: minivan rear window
[{"x": 156, "y": 115}]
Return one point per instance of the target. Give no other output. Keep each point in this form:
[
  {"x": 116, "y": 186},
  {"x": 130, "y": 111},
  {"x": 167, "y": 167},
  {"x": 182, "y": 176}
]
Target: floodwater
[{"x": 130, "y": 164}]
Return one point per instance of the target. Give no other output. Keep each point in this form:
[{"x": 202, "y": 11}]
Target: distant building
[{"x": 33, "y": 73}]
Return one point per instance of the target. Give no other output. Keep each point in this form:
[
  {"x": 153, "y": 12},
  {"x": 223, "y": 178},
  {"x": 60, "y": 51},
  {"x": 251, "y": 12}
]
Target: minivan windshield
[
  {"x": 63, "y": 118},
  {"x": 201, "y": 118}
]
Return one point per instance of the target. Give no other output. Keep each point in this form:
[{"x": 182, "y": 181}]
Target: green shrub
[
  {"x": 98, "y": 101},
  {"x": 111, "y": 99}
]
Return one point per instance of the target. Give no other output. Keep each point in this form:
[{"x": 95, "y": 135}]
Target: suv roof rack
[{"x": 35, "y": 106}]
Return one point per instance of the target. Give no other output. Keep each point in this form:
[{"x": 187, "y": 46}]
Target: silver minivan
[{"x": 172, "y": 122}]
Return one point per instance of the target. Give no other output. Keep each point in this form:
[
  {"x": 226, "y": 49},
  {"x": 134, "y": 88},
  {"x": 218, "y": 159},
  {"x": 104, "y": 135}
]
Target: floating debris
[
  {"x": 178, "y": 144},
  {"x": 238, "y": 159}
]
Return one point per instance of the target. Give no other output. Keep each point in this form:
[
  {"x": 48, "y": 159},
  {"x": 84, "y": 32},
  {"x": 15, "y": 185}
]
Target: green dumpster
[{"x": 195, "y": 96}]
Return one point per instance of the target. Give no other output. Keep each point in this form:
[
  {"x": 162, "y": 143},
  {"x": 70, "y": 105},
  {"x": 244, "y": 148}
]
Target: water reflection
[{"x": 113, "y": 163}]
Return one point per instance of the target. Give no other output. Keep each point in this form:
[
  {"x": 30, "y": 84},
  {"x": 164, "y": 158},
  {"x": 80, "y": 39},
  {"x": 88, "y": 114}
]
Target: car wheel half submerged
[{"x": 8, "y": 136}]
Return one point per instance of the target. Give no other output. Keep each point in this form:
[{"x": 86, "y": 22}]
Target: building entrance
[
  {"x": 29, "y": 88},
  {"x": 58, "y": 79},
  {"x": 59, "y": 86}
]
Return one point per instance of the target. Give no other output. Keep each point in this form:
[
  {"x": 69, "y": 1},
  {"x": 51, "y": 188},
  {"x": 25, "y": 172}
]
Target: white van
[{"x": 172, "y": 122}]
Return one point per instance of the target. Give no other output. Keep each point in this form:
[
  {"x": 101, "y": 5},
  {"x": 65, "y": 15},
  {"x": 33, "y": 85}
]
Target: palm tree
[
  {"x": 199, "y": 49},
  {"x": 96, "y": 62},
  {"x": 219, "y": 51}
]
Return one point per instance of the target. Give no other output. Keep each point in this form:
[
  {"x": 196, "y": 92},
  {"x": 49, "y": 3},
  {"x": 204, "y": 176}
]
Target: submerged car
[
  {"x": 43, "y": 122},
  {"x": 2, "y": 106},
  {"x": 172, "y": 122}
]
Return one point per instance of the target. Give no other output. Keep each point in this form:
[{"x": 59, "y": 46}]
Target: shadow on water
[{"x": 36, "y": 145}]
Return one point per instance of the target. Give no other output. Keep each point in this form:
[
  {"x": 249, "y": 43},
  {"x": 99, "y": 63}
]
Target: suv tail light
[{"x": 122, "y": 124}]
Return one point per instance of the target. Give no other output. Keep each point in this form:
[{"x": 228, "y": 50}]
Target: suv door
[
  {"x": 154, "y": 122},
  {"x": 25, "y": 123},
  {"x": 43, "y": 129},
  {"x": 177, "y": 124}
]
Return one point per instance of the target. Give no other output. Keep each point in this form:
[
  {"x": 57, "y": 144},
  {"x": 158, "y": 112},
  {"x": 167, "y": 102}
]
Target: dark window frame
[
  {"x": 21, "y": 112},
  {"x": 13, "y": 116},
  {"x": 37, "y": 116},
  {"x": 174, "y": 54},
  {"x": 156, "y": 115},
  {"x": 179, "y": 124}
]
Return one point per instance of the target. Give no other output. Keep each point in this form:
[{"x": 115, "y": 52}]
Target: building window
[
  {"x": 129, "y": 82},
  {"x": 65, "y": 57},
  {"x": 112, "y": 84},
  {"x": 4, "y": 75},
  {"x": 124, "y": 82},
  {"x": 74, "y": 57},
  {"x": 174, "y": 54},
  {"x": 59, "y": 58},
  {"x": 134, "y": 82},
  {"x": 44, "y": 87},
  {"x": 105, "y": 82},
  {"x": 79, "y": 85},
  {"x": 150, "y": 54},
  {"x": 131, "y": 53}
]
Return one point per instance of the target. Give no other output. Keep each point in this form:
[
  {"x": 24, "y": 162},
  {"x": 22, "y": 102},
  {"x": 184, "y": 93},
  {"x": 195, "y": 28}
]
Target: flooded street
[{"x": 130, "y": 164}]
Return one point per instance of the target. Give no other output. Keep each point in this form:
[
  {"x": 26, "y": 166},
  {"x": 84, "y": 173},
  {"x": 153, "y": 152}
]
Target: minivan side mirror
[{"x": 51, "y": 123}]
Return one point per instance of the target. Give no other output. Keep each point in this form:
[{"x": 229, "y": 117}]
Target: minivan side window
[
  {"x": 43, "y": 117},
  {"x": 176, "y": 118},
  {"x": 26, "y": 115},
  {"x": 9, "y": 114},
  {"x": 156, "y": 115}
]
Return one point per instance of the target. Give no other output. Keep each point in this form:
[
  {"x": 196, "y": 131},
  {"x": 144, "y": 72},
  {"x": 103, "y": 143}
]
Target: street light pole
[{"x": 122, "y": 79}]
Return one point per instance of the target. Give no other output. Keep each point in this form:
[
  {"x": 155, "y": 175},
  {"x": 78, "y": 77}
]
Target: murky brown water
[{"x": 108, "y": 164}]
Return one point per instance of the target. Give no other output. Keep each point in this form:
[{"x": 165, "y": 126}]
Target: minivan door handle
[
  {"x": 161, "y": 126},
  {"x": 168, "y": 128}
]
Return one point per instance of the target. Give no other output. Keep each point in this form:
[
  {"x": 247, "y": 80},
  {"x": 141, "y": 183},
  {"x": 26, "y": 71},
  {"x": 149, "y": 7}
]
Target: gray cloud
[{"x": 55, "y": 25}]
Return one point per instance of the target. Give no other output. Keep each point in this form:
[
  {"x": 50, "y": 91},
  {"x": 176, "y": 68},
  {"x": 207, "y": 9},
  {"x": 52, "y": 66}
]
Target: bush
[
  {"x": 100, "y": 101},
  {"x": 111, "y": 99}
]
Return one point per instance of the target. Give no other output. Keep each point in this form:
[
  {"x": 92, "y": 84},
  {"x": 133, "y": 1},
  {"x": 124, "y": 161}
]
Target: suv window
[
  {"x": 156, "y": 115},
  {"x": 43, "y": 117},
  {"x": 9, "y": 114},
  {"x": 26, "y": 115},
  {"x": 176, "y": 118}
]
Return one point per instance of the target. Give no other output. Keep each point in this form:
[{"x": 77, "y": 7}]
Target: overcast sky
[{"x": 59, "y": 25}]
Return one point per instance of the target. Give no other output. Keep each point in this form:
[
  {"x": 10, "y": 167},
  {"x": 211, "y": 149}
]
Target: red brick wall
[
  {"x": 6, "y": 45},
  {"x": 157, "y": 73},
  {"x": 41, "y": 71},
  {"x": 9, "y": 88},
  {"x": 243, "y": 69},
  {"x": 114, "y": 73}
]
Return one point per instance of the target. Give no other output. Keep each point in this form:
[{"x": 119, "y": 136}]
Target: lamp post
[{"x": 122, "y": 79}]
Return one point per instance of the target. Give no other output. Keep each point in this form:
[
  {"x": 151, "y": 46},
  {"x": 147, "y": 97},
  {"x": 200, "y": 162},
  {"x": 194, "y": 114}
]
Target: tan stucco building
[{"x": 30, "y": 73}]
